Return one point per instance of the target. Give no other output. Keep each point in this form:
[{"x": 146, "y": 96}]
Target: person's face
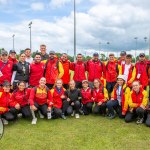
[
  {"x": 95, "y": 58},
  {"x": 28, "y": 53},
  {"x": 128, "y": 60},
  {"x": 111, "y": 58},
  {"x": 123, "y": 57},
  {"x": 6, "y": 88},
  {"x": 79, "y": 58},
  {"x": 37, "y": 58},
  {"x": 22, "y": 57},
  {"x": 12, "y": 55},
  {"x": 4, "y": 57},
  {"x": 72, "y": 84},
  {"x": 21, "y": 86},
  {"x": 51, "y": 56},
  {"x": 96, "y": 84},
  {"x": 43, "y": 49},
  {"x": 59, "y": 84},
  {"x": 136, "y": 86},
  {"x": 64, "y": 57},
  {"x": 120, "y": 82},
  {"x": 84, "y": 84},
  {"x": 142, "y": 58},
  {"x": 42, "y": 82}
]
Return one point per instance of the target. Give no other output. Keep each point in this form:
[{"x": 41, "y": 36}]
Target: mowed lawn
[{"x": 87, "y": 133}]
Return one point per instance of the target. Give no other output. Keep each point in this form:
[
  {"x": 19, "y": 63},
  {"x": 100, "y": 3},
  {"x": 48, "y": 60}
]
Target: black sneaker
[
  {"x": 63, "y": 117},
  {"x": 140, "y": 121},
  {"x": 111, "y": 116}
]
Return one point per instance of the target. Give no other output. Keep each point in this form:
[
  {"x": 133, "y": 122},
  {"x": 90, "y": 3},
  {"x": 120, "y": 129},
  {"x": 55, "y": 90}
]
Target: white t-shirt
[
  {"x": 122, "y": 62},
  {"x": 126, "y": 71},
  {"x": 29, "y": 60}
]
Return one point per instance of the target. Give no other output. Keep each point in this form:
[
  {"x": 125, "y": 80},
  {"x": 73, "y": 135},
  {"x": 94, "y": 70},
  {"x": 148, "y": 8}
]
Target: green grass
[{"x": 87, "y": 133}]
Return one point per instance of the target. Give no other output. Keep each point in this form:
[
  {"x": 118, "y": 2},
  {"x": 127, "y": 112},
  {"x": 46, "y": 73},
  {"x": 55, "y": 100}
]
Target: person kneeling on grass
[
  {"x": 119, "y": 99},
  {"x": 138, "y": 100},
  {"x": 41, "y": 100},
  {"x": 72, "y": 103},
  {"x": 87, "y": 100},
  {"x": 58, "y": 96},
  {"x": 100, "y": 97},
  {"x": 19, "y": 100},
  {"x": 6, "y": 113}
]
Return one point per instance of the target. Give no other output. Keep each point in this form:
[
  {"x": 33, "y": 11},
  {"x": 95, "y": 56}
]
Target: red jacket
[
  {"x": 79, "y": 71},
  {"x": 20, "y": 97},
  {"x": 101, "y": 95},
  {"x": 6, "y": 71},
  {"x": 4, "y": 102},
  {"x": 95, "y": 70},
  {"x": 36, "y": 73},
  {"x": 141, "y": 68},
  {"x": 66, "y": 77},
  {"x": 40, "y": 96},
  {"x": 86, "y": 96},
  {"x": 14, "y": 61},
  {"x": 112, "y": 71},
  {"x": 57, "y": 101}
]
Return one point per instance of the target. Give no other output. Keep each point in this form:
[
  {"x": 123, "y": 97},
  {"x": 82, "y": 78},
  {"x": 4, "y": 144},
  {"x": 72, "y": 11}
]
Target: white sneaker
[
  {"x": 41, "y": 115},
  {"x": 77, "y": 116},
  {"x": 19, "y": 115},
  {"x": 5, "y": 122},
  {"x": 73, "y": 114},
  {"x": 34, "y": 120}
]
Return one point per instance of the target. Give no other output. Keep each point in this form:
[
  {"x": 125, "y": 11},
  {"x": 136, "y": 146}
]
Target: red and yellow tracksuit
[
  {"x": 86, "y": 96},
  {"x": 125, "y": 93}
]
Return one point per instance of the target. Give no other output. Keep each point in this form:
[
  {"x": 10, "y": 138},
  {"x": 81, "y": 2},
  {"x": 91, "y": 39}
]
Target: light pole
[
  {"x": 74, "y": 30},
  {"x": 30, "y": 35},
  {"x": 108, "y": 43},
  {"x": 13, "y": 36},
  {"x": 145, "y": 39},
  {"x": 136, "y": 38}
]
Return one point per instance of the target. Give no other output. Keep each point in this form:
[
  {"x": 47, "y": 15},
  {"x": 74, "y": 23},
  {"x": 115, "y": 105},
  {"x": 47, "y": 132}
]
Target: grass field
[{"x": 87, "y": 133}]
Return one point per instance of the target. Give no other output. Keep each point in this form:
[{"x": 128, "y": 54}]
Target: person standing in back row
[
  {"x": 79, "y": 69},
  {"x": 112, "y": 72},
  {"x": 53, "y": 70},
  {"x": 44, "y": 55},
  {"x": 95, "y": 68}
]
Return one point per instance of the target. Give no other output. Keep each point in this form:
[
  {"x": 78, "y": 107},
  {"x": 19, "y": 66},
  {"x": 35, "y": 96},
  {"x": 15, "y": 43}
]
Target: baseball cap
[
  {"x": 141, "y": 55},
  {"x": 12, "y": 51},
  {"x": 123, "y": 53},
  {"x": 51, "y": 52},
  {"x": 3, "y": 52},
  {"x": 121, "y": 77},
  {"x": 95, "y": 54},
  {"x": 6, "y": 83},
  {"x": 85, "y": 81}
]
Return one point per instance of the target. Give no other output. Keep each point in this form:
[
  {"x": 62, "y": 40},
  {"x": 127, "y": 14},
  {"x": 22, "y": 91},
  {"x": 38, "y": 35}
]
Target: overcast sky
[{"x": 114, "y": 21}]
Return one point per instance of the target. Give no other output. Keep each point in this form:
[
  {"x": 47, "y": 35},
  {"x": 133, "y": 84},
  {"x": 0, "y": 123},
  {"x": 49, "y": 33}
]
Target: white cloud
[
  {"x": 4, "y": 1},
  {"x": 37, "y": 6}
]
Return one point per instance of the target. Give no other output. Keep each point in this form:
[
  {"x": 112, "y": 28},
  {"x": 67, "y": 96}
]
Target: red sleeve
[
  {"x": 31, "y": 97},
  {"x": 72, "y": 66},
  {"x": 12, "y": 101},
  {"x": 87, "y": 66},
  {"x": 50, "y": 99},
  {"x": 104, "y": 70},
  {"x": 28, "y": 92}
]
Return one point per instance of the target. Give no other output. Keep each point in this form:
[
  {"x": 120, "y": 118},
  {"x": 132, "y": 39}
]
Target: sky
[{"x": 98, "y": 22}]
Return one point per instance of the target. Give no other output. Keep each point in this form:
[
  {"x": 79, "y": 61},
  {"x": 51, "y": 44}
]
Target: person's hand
[
  {"x": 100, "y": 103},
  {"x": 72, "y": 104},
  {"x": 49, "y": 109},
  {"x": 92, "y": 98},
  {"x": 33, "y": 108},
  {"x": 68, "y": 99},
  {"x": 142, "y": 106},
  {"x": 112, "y": 98},
  {"x": 123, "y": 113},
  {"x": 62, "y": 96},
  {"x": 17, "y": 106},
  {"x": 131, "y": 110}
]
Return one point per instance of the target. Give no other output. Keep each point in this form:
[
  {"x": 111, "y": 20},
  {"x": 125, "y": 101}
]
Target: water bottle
[{"x": 49, "y": 115}]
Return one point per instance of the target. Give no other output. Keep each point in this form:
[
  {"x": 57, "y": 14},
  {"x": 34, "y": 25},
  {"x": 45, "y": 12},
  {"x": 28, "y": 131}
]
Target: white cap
[{"x": 121, "y": 77}]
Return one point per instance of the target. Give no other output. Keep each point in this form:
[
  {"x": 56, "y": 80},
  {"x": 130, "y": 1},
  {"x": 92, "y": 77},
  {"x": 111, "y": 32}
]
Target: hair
[
  {"x": 128, "y": 56},
  {"x": 42, "y": 45},
  {"x": 100, "y": 83},
  {"x": 136, "y": 82},
  {"x": 37, "y": 54},
  {"x": 79, "y": 54},
  {"x": 116, "y": 85},
  {"x": 57, "y": 81},
  {"x": 111, "y": 54},
  {"x": 21, "y": 82},
  {"x": 27, "y": 49},
  {"x": 22, "y": 53}
]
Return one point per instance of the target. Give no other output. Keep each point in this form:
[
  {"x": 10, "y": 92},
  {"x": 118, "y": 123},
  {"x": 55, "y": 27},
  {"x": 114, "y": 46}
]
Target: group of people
[{"x": 43, "y": 85}]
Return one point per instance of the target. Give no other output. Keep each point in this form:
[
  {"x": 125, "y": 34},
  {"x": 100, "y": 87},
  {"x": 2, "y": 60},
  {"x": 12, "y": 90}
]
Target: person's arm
[
  {"x": 105, "y": 95},
  {"x": 113, "y": 94},
  {"x": 130, "y": 102},
  {"x": 13, "y": 77},
  {"x": 133, "y": 76},
  {"x": 126, "y": 94},
  {"x": 72, "y": 66},
  {"x": 145, "y": 99},
  {"x": 120, "y": 69},
  {"x": 104, "y": 70},
  {"x": 50, "y": 99},
  {"x": 79, "y": 95},
  {"x": 61, "y": 70},
  {"x": 12, "y": 102}
]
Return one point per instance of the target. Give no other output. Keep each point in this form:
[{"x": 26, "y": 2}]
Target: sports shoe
[
  {"x": 110, "y": 116},
  {"x": 63, "y": 117},
  {"x": 41, "y": 115},
  {"x": 34, "y": 120},
  {"x": 73, "y": 114},
  {"x": 77, "y": 116},
  {"x": 19, "y": 115},
  {"x": 140, "y": 121},
  {"x": 5, "y": 122}
]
